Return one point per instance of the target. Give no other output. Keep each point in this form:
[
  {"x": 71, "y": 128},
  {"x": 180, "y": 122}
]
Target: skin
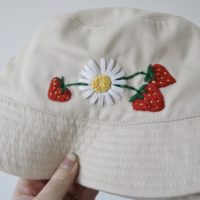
[{"x": 61, "y": 186}]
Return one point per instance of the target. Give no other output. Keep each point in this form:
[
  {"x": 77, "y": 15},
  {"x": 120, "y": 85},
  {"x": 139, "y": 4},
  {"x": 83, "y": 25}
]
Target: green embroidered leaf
[
  {"x": 134, "y": 97},
  {"x": 142, "y": 89},
  {"x": 149, "y": 69},
  {"x": 150, "y": 74},
  {"x": 147, "y": 79},
  {"x": 62, "y": 90},
  {"x": 139, "y": 94},
  {"x": 62, "y": 81}
]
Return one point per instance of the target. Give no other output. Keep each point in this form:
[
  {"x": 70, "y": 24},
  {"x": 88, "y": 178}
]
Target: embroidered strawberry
[
  {"x": 148, "y": 98},
  {"x": 159, "y": 75},
  {"x": 58, "y": 91}
]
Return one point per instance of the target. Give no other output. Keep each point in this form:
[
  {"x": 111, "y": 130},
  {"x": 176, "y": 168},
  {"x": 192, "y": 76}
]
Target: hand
[{"x": 60, "y": 187}]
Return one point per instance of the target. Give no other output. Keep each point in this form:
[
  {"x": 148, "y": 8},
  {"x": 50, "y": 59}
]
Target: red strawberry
[
  {"x": 159, "y": 75},
  {"x": 148, "y": 98},
  {"x": 57, "y": 90}
]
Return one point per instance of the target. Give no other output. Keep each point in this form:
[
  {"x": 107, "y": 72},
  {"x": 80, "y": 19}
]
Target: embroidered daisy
[{"x": 102, "y": 82}]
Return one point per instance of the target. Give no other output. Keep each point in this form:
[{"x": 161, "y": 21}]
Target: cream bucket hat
[{"x": 117, "y": 86}]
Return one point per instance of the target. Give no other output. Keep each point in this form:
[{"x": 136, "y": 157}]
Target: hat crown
[{"x": 68, "y": 42}]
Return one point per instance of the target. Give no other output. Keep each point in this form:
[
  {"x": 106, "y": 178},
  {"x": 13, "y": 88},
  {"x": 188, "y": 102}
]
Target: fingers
[
  {"x": 86, "y": 194},
  {"x": 81, "y": 192},
  {"x": 61, "y": 181},
  {"x": 27, "y": 189}
]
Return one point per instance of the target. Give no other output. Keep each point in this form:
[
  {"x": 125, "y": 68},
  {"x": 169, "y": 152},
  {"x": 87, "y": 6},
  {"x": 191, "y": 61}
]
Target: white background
[{"x": 18, "y": 20}]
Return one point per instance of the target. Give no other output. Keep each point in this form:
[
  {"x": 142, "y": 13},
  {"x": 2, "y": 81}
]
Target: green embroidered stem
[
  {"x": 132, "y": 76},
  {"x": 127, "y": 87},
  {"x": 72, "y": 84},
  {"x": 139, "y": 92},
  {"x": 64, "y": 86},
  {"x": 149, "y": 75}
]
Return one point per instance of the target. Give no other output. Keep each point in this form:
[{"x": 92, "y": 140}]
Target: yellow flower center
[{"x": 101, "y": 83}]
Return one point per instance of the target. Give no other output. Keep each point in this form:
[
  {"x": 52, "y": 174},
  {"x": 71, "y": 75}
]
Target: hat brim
[{"x": 143, "y": 160}]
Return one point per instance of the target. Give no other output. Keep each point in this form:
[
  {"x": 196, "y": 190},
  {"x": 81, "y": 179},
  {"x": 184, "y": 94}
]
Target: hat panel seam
[
  {"x": 111, "y": 165},
  {"x": 77, "y": 118},
  {"x": 82, "y": 174},
  {"x": 143, "y": 186},
  {"x": 111, "y": 173},
  {"x": 96, "y": 28},
  {"x": 93, "y": 126},
  {"x": 123, "y": 132}
]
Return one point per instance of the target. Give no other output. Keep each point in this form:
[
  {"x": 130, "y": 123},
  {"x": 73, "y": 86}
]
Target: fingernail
[{"x": 69, "y": 161}]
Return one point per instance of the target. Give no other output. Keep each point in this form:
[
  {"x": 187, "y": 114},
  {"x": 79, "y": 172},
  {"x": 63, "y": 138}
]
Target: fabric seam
[
  {"x": 75, "y": 21},
  {"x": 55, "y": 114}
]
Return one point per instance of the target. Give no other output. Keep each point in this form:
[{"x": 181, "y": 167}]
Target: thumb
[{"x": 61, "y": 181}]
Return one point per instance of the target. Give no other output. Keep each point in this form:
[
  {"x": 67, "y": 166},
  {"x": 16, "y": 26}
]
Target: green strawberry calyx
[
  {"x": 139, "y": 93},
  {"x": 150, "y": 74}
]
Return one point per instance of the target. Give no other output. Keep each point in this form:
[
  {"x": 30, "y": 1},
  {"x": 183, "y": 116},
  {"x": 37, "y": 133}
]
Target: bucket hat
[{"x": 117, "y": 86}]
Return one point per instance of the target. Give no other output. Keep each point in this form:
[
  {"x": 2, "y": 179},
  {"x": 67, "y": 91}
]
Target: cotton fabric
[{"x": 122, "y": 151}]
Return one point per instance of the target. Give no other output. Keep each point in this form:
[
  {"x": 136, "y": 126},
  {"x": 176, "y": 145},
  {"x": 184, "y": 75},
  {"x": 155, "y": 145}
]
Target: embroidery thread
[
  {"x": 102, "y": 82},
  {"x": 104, "y": 85},
  {"x": 149, "y": 99},
  {"x": 58, "y": 91}
]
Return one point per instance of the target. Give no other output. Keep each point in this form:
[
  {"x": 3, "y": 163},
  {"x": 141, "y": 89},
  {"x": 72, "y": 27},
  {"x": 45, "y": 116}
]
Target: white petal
[
  {"x": 121, "y": 82},
  {"x": 89, "y": 70},
  {"x": 110, "y": 66},
  {"x": 87, "y": 93},
  {"x": 94, "y": 67},
  {"x": 117, "y": 89},
  {"x": 103, "y": 65},
  {"x": 84, "y": 87},
  {"x": 101, "y": 99},
  {"x": 108, "y": 99},
  {"x": 115, "y": 70},
  {"x": 87, "y": 75},
  {"x": 118, "y": 75},
  {"x": 83, "y": 80},
  {"x": 115, "y": 95},
  {"x": 94, "y": 98}
]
